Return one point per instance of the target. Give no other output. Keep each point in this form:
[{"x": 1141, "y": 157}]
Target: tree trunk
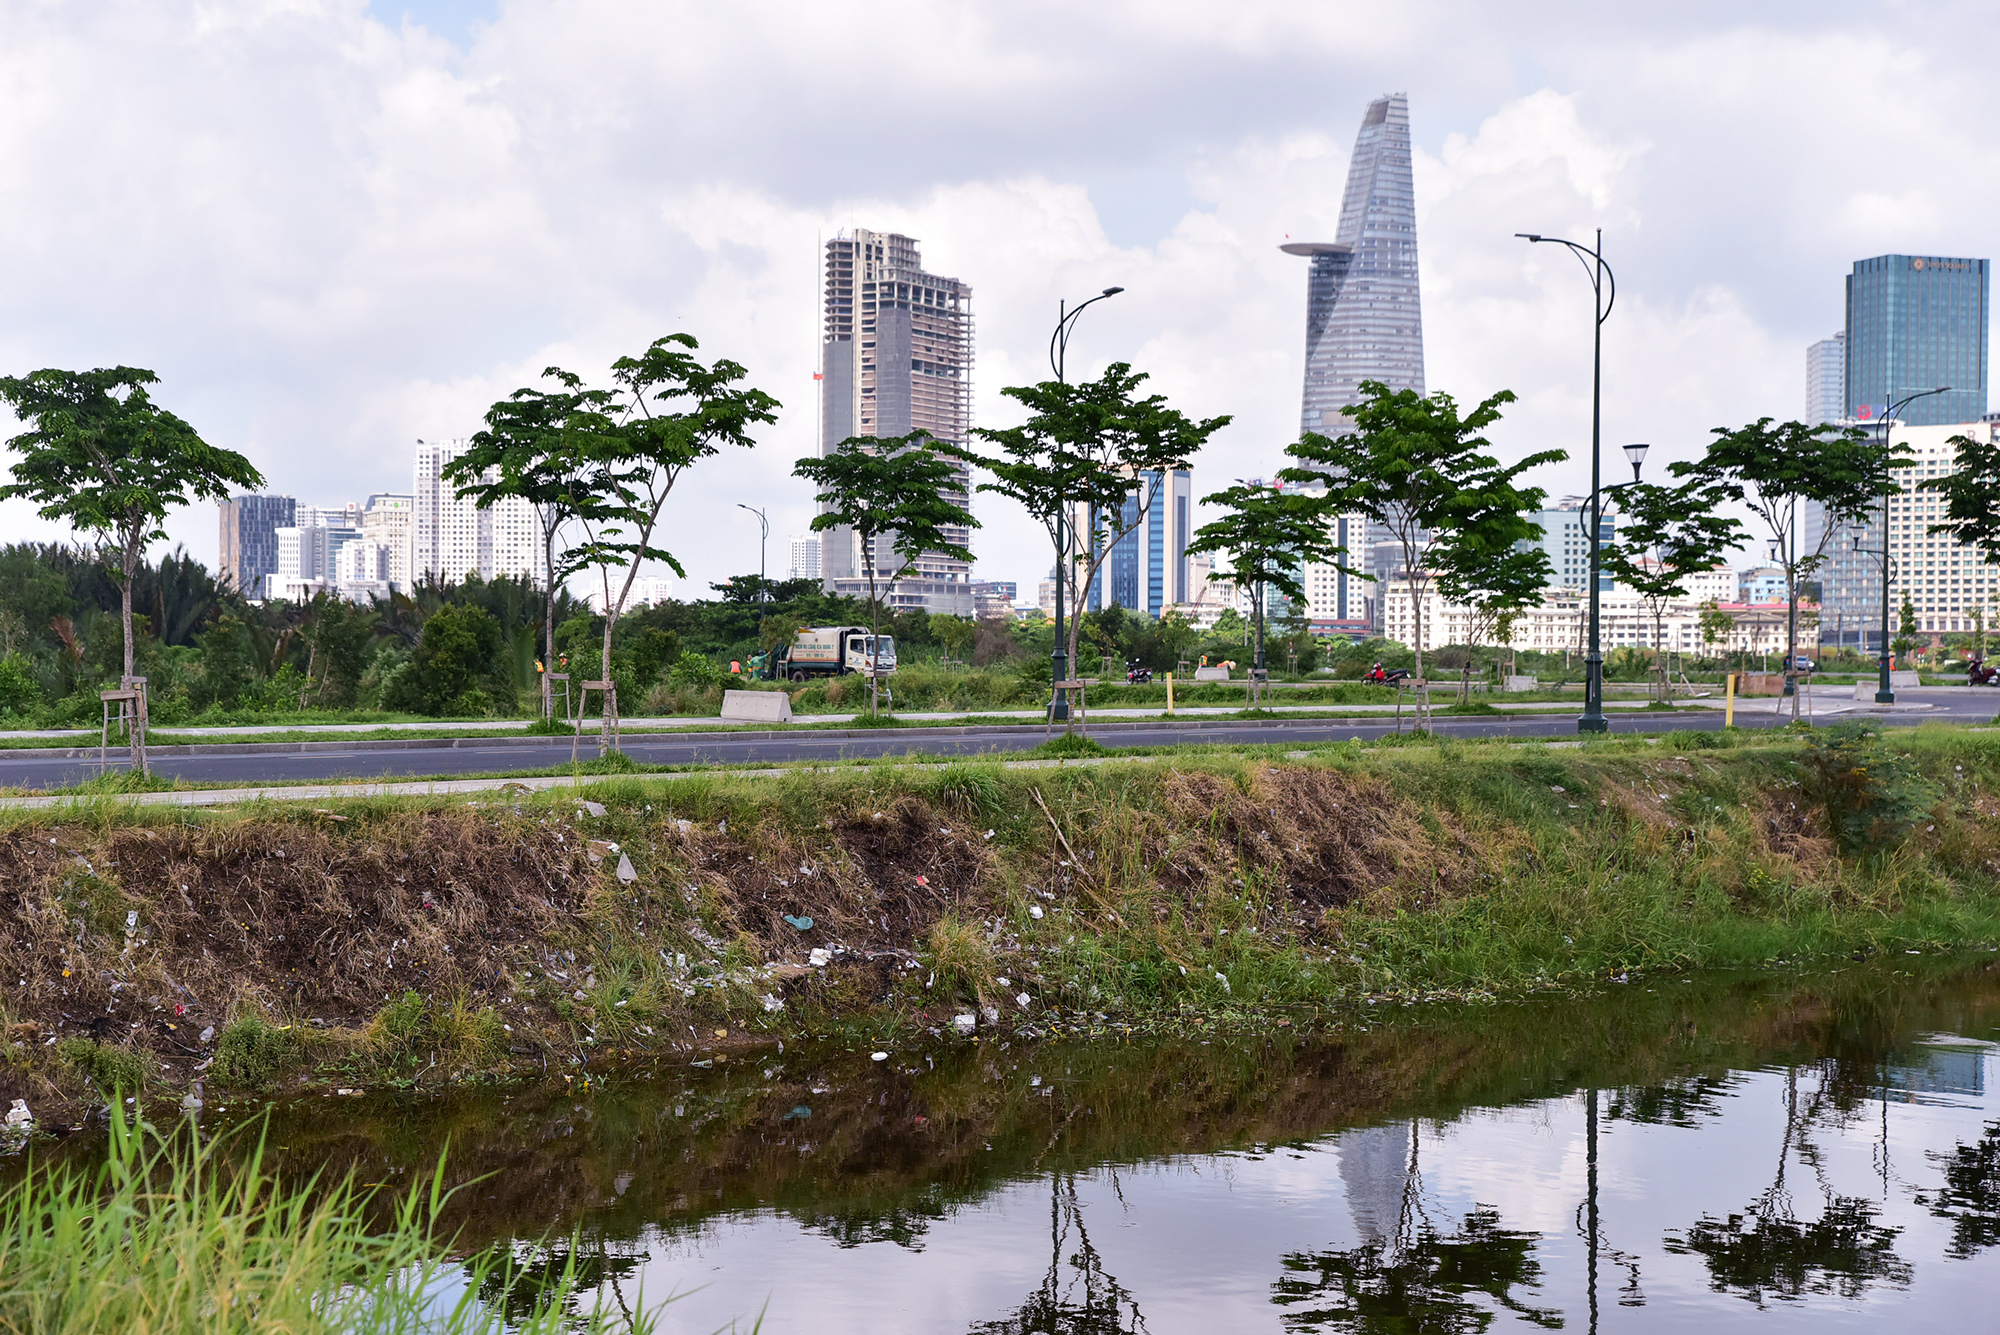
[
  {"x": 136, "y": 732},
  {"x": 607, "y": 728},
  {"x": 874, "y": 630},
  {"x": 1792, "y": 637}
]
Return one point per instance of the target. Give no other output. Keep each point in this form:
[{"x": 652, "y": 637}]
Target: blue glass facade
[
  {"x": 1916, "y": 322},
  {"x": 1146, "y": 571}
]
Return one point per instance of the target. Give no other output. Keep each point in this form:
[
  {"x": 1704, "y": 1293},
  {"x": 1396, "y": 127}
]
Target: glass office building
[{"x": 1916, "y": 322}]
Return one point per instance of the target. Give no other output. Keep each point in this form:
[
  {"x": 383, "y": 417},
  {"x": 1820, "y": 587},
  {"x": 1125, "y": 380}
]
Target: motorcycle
[
  {"x": 1379, "y": 677},
  {"x": 1979, "y": 674},
  {"x": 1137, "y": 674}
]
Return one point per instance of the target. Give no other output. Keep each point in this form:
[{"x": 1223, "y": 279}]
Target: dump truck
[{"x": 829, "y": 651}]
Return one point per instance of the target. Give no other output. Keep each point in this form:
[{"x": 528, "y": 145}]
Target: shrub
[
  {"x": 1869, "y": 795},
  {"x": 20, "y": 693},
  {"x": 109, "y": 1069},
  {"x": 252, "y": 1052},
  {"x": 458, "y": 648}
]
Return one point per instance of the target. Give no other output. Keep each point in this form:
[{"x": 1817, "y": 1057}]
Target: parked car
[{"x": 1804, "y": 665}]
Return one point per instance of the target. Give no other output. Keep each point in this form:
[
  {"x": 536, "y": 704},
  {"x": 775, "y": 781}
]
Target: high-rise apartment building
[
  {"x": 1147, "y": 570},
  {"x": 1917, "y": 322},
  {"x": 897, "y": 358},
  {"x": 805, "y": 556},
  {"x": 451, "y": 537},
  {"x": 389, "y": 521},
  {"x": 1567, "y": 543},
  {"x": 1364, "y": 318},
  {"x": 1826, "y": 380},
  {"x": 1946, "y": 581},
  {"x": 250, "y": 527}
]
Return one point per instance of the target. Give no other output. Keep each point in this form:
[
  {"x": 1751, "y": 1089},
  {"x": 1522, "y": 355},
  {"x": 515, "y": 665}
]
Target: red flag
[{"x": 818, "y": 376}]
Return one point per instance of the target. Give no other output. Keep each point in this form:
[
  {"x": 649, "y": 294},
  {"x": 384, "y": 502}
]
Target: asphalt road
[{"x": 251, "y": 764}]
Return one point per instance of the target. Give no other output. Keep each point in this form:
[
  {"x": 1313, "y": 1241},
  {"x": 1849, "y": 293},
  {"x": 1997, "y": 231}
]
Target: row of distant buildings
[{"x": 277, "y": 547}]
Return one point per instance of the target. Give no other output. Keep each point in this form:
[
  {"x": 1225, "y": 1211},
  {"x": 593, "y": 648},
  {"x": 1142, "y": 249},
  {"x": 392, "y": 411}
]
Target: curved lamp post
[
  {"x": 1883, "y": 695},
  {"x": 762, "y": 542},
  {"x": 1066, "y": 316},
  {"x": 1604, "y": 290}
]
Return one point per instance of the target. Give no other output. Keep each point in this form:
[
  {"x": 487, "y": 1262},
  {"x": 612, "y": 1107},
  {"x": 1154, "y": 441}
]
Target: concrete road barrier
[
  {"x": 756, "y": 707},
  {"x": 1211, "y": 674}
]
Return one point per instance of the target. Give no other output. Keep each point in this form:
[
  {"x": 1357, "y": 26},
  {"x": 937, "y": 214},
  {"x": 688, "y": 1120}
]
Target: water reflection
[{"x": 1738, "y": 1153}]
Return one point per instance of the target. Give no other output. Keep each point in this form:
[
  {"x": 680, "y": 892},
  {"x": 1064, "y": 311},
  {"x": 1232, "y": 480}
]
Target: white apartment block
[
  {"x": 805, "y": 556},
  {"x": 1561, "y": 622},
  {"x": 452, "y": 538}
]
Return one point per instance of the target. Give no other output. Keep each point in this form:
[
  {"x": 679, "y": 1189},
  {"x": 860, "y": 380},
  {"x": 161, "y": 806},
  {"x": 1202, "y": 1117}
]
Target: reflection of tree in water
[
  {"x": 1767, "y": 1252},
  {"x": 1682, "y": 1103},
  {"x": 1076, "y": 1297},
  {"x": 1970, "y": 1197},
  {"x": 1415, "y": 1277},
  {"x": 1766, "y": 1256},
  {"x": 906, "y": 1225},
  {"x": 525, "y": 1277}
]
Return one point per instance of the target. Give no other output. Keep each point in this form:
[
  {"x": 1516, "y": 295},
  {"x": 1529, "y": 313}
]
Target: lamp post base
[
  {"x": 1592, "y": 723},
  {"x": 1885, "y": 697}
]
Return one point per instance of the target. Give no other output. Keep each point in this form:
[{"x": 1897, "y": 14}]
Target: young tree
[
  {"x": 540, "y": 447},
  {"x": 1905, "y": 642},
  {"x": 1715, "y": 625},
  {"x": 668, "y": 413},
  {"x": 1415, "y": 466},
  {"x": 100, "y": 454},
  {"x": 1092, "y": 452},
  {"x": 1270, "y": 534},
  {"x": 956, "y": 635},
  {"x": 1775, "y": 468},
  {"x": 1664, "y": 535},
  {"x": 894, "y": 489}
]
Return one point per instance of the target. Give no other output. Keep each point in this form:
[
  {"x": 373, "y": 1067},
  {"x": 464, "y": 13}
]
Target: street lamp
[
  {"x": 763, "y": 541},
  {"x": 1604, "y": 291},
  {"x": 1066, "y": 316},
  {"x": 1883, "y": 695}
]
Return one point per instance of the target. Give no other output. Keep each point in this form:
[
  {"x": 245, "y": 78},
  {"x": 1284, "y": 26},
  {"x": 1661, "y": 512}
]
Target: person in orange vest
[{"x": 735, "y": 668}]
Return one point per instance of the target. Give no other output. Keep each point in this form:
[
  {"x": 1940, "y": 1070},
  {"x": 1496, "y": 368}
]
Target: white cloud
[{"x": 333, "y": 235}]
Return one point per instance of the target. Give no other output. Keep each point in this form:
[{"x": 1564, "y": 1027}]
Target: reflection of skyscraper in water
[
  {"x": 1375, "y": 1169},
  {"x": 1364, "y": 318}
]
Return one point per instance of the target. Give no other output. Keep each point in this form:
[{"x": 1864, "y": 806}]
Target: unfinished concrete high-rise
[{"x": 896, "y": 358}]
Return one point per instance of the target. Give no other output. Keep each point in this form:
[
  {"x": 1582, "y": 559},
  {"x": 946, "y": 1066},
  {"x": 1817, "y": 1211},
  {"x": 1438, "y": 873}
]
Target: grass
[
  {"x": 179, "y": 1232},
  {"x": 478, "y": 939}
]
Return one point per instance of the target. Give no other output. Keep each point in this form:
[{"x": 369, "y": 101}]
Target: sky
[{"x": 336, "y": 227}]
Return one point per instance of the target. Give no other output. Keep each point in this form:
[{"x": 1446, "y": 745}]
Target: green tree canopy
[
  {"x": 1269, "y": 535},
  {"x": 899, "y": 489},
  {"x": 100, "y": 455},
  {"x": 1666, "y": 534},
  {"x": 1417, "y": 467},
  {"x": 1774, "y": 468},
  {"x": 1088, "y": 464}
]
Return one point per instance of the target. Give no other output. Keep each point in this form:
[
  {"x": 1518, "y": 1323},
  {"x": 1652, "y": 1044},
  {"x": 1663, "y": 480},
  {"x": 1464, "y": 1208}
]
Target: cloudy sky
[{"x": 337, "y": 226}]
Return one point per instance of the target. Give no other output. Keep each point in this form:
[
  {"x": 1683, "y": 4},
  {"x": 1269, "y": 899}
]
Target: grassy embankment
[{"x": 377, "y": 942}]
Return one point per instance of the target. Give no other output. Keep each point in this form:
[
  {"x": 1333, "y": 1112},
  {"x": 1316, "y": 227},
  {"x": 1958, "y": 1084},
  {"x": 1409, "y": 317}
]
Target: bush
[
  {"x": 20, "y": 693},
  {"x": 110, "y": 1070},
  {"x": 1870, "y": 796},
  {"x": 455, "y": 655},
  {"x": 252, "y": 1052}
]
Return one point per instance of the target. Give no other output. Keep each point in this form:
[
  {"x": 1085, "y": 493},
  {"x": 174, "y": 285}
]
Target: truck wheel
[{"x": 798, "y": 675}]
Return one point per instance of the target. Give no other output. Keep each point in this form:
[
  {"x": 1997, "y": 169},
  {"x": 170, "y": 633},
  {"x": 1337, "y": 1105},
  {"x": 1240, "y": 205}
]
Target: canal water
[{"x": 1748, "y": 1153}]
